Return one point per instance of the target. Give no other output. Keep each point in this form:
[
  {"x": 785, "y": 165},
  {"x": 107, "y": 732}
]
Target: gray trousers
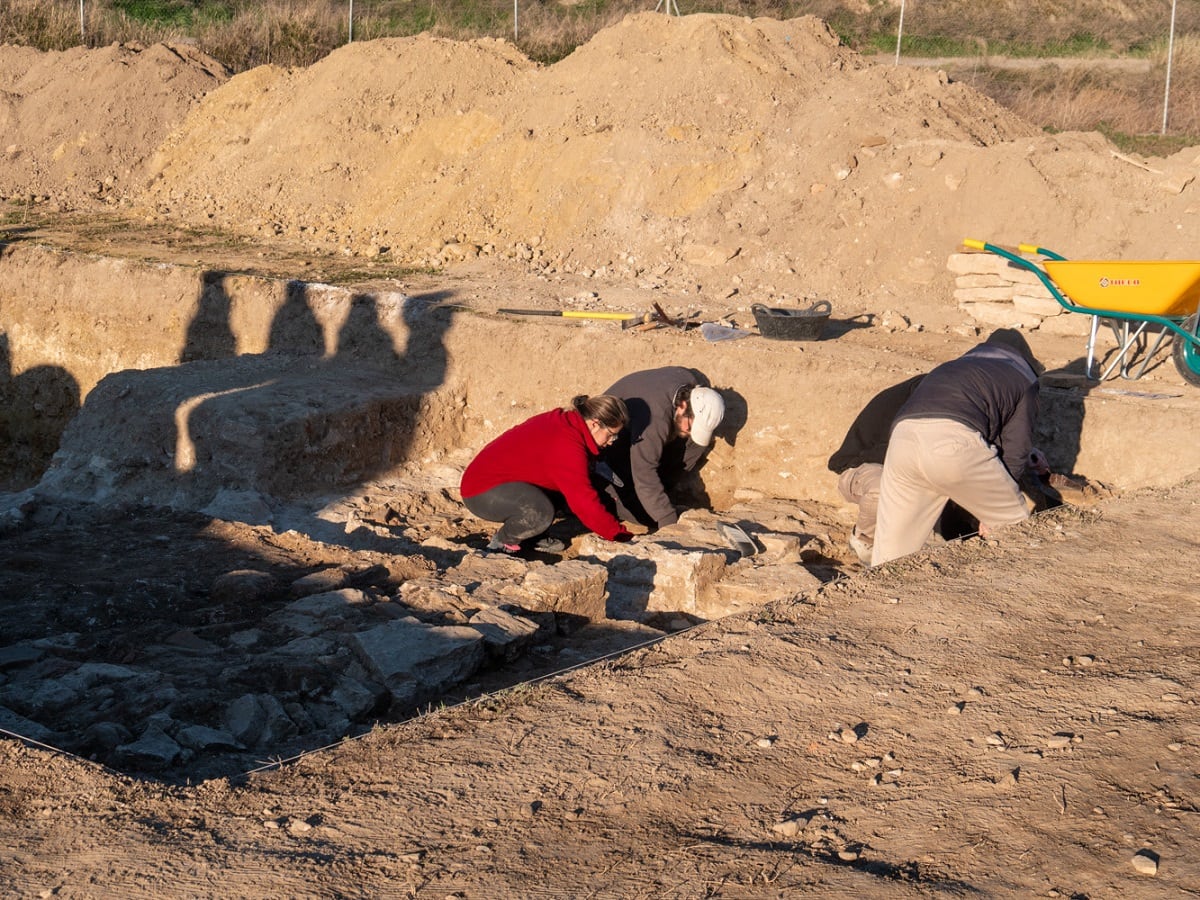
[{"x": 525, "y": 509}]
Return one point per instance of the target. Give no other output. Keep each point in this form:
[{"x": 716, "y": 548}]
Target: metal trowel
[{"x": 737, "y": 539}]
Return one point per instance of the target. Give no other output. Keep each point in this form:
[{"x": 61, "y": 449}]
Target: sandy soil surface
[{"x": 1007, "y": 717}]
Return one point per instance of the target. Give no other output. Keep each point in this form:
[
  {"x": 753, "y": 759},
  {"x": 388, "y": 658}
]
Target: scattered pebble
[
  {"x": 1171, "y": 697},
  {"x": 1145, "y": 863},
  {"x": 788, "y": 827},
  {"x": 955, "y": 708},
  {"x": 847, "y": 855},
  {"x": 765, "y": 742},
  {"x": 1174, "y": 745},
  {"x": 1059, "y": 741},
  {"x": 848, "y": 736},
  {"x": 975, "y": 692},
  {"x": 996, "y": 739}
]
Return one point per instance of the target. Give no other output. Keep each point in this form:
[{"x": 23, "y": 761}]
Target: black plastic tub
[{"x": 782, "y": 324}]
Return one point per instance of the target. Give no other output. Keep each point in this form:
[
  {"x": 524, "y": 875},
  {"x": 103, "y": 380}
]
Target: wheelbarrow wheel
[{"x": 1186, "y": 353}]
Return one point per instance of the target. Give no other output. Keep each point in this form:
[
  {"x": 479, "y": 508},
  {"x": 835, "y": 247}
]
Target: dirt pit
[{"x": 251, "y": 345}]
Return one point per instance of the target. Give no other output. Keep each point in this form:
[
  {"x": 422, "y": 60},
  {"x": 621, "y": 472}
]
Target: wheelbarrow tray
[{"x": 1138, "y": 287}]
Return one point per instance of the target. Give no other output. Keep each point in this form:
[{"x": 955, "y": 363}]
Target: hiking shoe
[
  {"x": 860, "y": 546},
  {"x": 549, "y": 545}
]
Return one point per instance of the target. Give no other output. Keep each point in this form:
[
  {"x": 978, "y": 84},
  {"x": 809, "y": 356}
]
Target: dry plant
[{"x": 1126, "y": 105}]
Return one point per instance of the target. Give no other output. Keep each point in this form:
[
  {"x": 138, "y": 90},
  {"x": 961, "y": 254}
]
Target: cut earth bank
[{"x": 1046, "y": 720}]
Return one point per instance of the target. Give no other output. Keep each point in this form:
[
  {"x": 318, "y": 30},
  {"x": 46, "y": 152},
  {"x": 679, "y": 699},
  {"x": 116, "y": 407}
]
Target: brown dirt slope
[
  {"x": 80, "y": 126},
  {"x": 904, "y": 734},
  {"x": 706, "y": 151}
]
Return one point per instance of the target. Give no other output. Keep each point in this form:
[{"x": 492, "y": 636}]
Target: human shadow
[
  {"x": 1063, "y": 408},
  {"x": 250, "y": 433},
  {"x": 35, "y": 407},
  {"x": 294, "y": 327},
  {"x": 209, "y": 334}
]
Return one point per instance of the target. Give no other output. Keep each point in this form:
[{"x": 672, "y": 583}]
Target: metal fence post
[
  {"x": 899, "y": 32},
  {"x": 1170, "y": 53}
]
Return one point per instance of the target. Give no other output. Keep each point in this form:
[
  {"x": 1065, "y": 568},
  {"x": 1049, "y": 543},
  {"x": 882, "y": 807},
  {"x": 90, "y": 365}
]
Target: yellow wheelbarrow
[{"x": 1129, "y": 296}]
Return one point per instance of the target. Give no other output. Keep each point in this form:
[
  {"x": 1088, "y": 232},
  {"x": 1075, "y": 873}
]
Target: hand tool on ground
[
  {"x": 737, "y": 538},
  {"x": 570, "y": 314}
]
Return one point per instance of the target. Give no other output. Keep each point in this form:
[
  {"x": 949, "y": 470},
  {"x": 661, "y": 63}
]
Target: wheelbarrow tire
[{"x": 1186, "y": 353}]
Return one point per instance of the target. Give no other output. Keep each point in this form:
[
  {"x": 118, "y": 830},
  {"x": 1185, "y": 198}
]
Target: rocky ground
[{"x": 250, "y": 647}]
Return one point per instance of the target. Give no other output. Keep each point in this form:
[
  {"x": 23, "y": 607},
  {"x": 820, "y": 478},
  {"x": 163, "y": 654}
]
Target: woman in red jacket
[{"x": 509, "y": 479}]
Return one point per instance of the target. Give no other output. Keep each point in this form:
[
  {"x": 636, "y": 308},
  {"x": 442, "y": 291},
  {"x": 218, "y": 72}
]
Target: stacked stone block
[{"x": 995, "y": 292}]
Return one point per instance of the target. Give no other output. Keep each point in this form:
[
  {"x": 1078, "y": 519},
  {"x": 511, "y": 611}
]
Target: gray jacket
[{"x": 650, "y": 396}]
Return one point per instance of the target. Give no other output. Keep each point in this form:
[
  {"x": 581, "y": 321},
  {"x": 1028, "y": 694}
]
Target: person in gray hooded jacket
[
  {"x": 965, "y": 434},
  {"x": 672, "y": 417}
]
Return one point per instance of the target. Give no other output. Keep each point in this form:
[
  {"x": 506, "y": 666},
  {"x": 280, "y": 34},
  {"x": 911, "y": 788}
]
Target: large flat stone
[{"x": 416, "y": 661}]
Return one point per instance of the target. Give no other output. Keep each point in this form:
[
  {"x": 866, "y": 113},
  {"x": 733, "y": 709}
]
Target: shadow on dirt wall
[
  {"x": 35, "y": 407},
  {"x": 321, "y": 397},
  {"x": 170, "y": 644},
  {"x": 315, "y": 414}
]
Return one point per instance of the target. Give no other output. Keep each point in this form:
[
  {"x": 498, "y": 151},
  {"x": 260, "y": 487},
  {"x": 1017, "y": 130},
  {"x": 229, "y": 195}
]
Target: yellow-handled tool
[{"x": 570, "y": 314}]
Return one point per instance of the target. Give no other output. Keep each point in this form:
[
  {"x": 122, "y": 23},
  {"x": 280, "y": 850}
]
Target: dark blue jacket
[{"x": 991, "y": 389}]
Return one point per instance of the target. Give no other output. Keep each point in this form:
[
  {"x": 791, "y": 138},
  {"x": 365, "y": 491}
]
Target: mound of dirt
[
  {"x": 707, "y": 152},
  {"x": 662, "y": 142},
  {"x": 81, "y": 126}
]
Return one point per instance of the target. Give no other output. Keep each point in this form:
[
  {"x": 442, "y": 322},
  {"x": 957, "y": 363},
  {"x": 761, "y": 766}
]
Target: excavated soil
[{"x": 1011, "y": 716}]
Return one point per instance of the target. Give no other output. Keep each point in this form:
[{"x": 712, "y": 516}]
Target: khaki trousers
[
  {"x": 930, "y": 461},
  {"x": 860, "y": 486}
]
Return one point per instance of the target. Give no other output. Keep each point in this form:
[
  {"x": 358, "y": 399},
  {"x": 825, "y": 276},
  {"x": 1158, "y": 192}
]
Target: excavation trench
[{"x": 233, "y": 532}]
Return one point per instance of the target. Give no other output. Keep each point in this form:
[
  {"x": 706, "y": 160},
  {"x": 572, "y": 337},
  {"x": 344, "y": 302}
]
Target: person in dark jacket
[
  {"x": 672, "y": 417},
  {"x": 965, "y": 434},
  {"x": 858, "y": 463},
  {"x": 512, "y": 479}
]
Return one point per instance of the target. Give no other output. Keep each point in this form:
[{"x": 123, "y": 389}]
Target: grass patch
[
  {"x": 935, "y": 45},
  {"x": 167, "y": 13},
  {"x": 1160, "y": 145}
]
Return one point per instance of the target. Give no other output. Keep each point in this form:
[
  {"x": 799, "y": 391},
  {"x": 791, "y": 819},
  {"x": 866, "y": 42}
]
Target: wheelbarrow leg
[
  {"x": 1127, "y": 342},
  {"x": 1162, "y": 335},
  {"x": 1091, "y": 346}
]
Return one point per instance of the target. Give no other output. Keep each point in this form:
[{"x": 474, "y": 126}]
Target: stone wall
[{"x": 995, "y": 292}]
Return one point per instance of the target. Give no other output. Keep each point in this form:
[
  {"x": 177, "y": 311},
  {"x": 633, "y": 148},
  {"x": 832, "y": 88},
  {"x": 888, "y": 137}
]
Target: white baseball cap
[{"x": 709, "y": 409}]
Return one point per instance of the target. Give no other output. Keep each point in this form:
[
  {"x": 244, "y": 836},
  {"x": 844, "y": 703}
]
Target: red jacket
[{"x": 551, "y": 451}]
